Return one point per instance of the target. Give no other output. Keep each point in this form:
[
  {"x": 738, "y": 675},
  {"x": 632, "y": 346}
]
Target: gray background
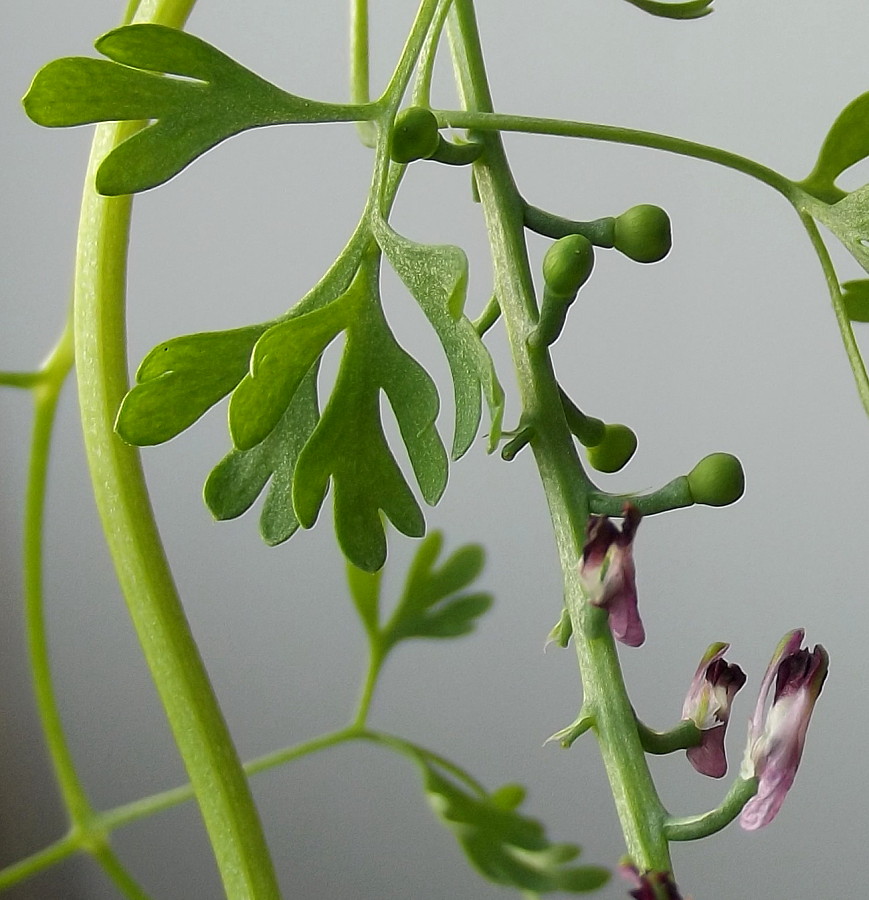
[{"x": 729, "y": 344}]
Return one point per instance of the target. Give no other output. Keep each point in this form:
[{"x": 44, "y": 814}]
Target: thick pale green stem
[
  {"x": 605, "y": 698},
  {"x": 197, "y": 724}
]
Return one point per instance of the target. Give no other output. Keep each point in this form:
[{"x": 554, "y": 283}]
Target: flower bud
[
  {"x": 567, "y": 265},
  {"x": 415, "y": 135},
  {"x": 643, "y": 233},
  {"x": 717, "y": 480},
  {"x": 615, "y": 450}
]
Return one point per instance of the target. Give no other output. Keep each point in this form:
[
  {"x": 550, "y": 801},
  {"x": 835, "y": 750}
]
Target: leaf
[
  {"x": 849, "y": 221},
  {"x": 437, "y": 277},
  {"x": 846, "y": 143},
  {"x": 281, "y": 358},
  {"x": 214, "y": 98},
  {"x": 239, "y": 478},
  {"x": 688, "y": 9},
  {"x": 855, "y": 295},
  {"x": 430, "y": 605},
  {"x": 180, "y": 379},
  {"x": 504, "y": 846}
]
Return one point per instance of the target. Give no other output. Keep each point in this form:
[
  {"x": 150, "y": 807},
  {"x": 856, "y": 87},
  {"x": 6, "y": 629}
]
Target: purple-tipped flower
[
  {"x": 607, "y": 573},
  {"x": 775, "y": 740},
  {"x": 650, "y": 885},
  {"x": 707, "y": 705}
]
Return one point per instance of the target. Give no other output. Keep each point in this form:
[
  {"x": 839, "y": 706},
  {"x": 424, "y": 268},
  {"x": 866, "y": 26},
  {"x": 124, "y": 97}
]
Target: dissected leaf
[
  {"x": 688, "y": 9},
  {"x": 430, "y": 606},
  {"x": 281, "y": 358},
  {"x": 214, "y": 98},
  {"x": 348, "y": 445},
  {"x": 855, "y": 295},
  {"x": 846, "y": 143},
  {"x": 437, "y": 277},
  {"x": 504, "y": 846},
  {"x": 180, "y": 379},
  {"x": 239, "y": 478},
  {"x": 849, "y": 221}
]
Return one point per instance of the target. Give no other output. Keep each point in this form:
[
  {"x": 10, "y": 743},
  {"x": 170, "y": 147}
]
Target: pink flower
[
  {"x": 707, "y": 705},
  {"x": 650, "y": 885},
  {"x": 775, "y": 742},
  {"x": 607, "y": 573}
]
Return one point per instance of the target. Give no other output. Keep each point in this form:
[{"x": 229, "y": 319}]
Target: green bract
[
  {"x": 717, "y": 480},
  {"x": 643, "y": 233},
  {"x": 213, "y": 99}
]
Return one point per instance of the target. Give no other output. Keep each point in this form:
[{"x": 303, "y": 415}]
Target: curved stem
[
  {"x": 46, "y": 395},
  {"x": 692, "y": 828},
  {"x": 123, "y": 503},
  {"x": 489, "y": 121},
  {"x": 684, "y": 735},
  {"x": 852, "y": 351},
  {"x": 639, "y": 807},
  {"x": 422, "y": 88}
]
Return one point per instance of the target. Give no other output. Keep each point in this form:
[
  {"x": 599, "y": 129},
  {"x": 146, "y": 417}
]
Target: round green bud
[
  {"x": 567, "y": 265},
  {"x": 643, "y": 233},
  {"x": 717, "y": 480},
  {"x": 615, "y": 450},
  {"x": 415, "y": 135}
]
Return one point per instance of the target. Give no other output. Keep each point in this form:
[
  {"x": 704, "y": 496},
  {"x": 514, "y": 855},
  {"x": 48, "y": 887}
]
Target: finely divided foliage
[{"x": 183, "y": 98}]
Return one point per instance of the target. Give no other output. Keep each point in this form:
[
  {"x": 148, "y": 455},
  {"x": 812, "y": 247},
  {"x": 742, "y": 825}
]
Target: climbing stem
[
  {"x": 46, "y": 393},
  {"x": 123, "y": 502},
  {"x": 481, "y": 120},
  {"x": 565, "y": 484}
]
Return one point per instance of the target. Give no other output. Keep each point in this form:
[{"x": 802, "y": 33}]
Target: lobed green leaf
[
  {"x": 240, "y": 477},
  {"x": 281, "y": 358},
  {"x": 504, "y": 846},
  {"x": 180, "y": 379},
  {"x": 846, "y": 143},
  {"x": 437, "y": 277},
  {"x": 849, "y": 221},
  {"x": 190, "y": 116},
  {"x": 855, "y": 295},
  {"x": 688, "y": 9},
  {"x": 429, "y": 607}
]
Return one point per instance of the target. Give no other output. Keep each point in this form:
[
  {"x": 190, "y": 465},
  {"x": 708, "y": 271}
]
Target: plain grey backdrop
[{"x": 729, "y": 344}]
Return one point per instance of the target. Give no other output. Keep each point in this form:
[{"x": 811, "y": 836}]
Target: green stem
[
  {"x": 39, "y": 861},
  {"x": 46, "y": 395},
  {"x": 26, "y": 380},
  {"x": 375, "y": 663},
  {"x": 686, "y": 734},
  {"x": 123, "y": 502},
  {"x": 858, "y": 367},
  {"x": 639, "y": 807},
  {"x": 692, "y": 828},
  {"x": 422, "y": 88},
  {"x": 360, "y": 77},
  {"x": 481, "y": 121}
]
